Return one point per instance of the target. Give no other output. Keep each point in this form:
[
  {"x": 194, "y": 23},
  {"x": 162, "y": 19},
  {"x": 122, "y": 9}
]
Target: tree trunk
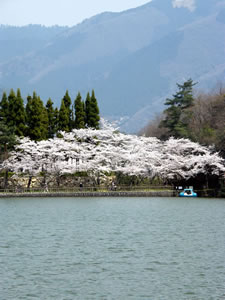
[
  {"x": 6, "y": 178},
  {"x": 29, "y": 182}
]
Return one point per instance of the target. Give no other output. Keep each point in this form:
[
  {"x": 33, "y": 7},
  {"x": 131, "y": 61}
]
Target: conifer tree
[
  {"x": 28, "y": 109},
  {"x": 56, "y": 119},
  {"x": 11, "y": 114},
  {"x": 37, "y": 118},
  {"x": 178, "y": 113},
  {"x": 87, "y": 108},
  {"x": 7, "y": 139},
  {"x": 64, "y": 121},
  {"x": 67, "y": 102},
  {"x": 94, "y": 117},
  {"x": 16, "y": 115},
  {"x": 79, "y": 112},
  {"x": 19, "y": 112},
  {"x": 4, "y": 108},
  {"x": 51, "y": 118}
]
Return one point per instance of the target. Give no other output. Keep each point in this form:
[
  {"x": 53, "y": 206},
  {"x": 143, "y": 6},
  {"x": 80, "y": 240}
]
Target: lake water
[{"x": 112, "y": 248}]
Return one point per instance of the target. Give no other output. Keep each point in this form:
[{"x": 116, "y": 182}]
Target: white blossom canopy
[{"x": 107, "y": 150}]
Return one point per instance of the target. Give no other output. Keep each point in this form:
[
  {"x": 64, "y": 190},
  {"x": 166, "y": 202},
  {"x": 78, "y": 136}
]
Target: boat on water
[{"x": 188, "y": 193}]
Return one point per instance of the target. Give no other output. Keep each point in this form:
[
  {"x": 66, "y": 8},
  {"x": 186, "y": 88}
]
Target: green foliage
[
  {"x": 178, "y": 113},
  {"x": 7, "y": 139},
  {"x": 109, "y": 173},
  {"x": 17, "y": 113},
  {"x": 64, "y": 121},
  {"x": 56, "y": 119},
  {"x": 220, "y": 144},
  {"x": 125, "y": 179},
  {"x": 200, "y": 119},
  {"x": 51, "y": 118},
  {"x": 37, "y": 118},
  {"x": 59, "y": 135},
  {"x": 87, "y": 108},
  {"x": 67, "y": 102},
  {"x": 41, "y": 122},
  {"x": 79, "y": 112},
  {"x": 4, "y": 108},
  {"x": 10, "y": 174},
  {"x": 92, "y": 111},
  {"x": 80, "y": 174}
]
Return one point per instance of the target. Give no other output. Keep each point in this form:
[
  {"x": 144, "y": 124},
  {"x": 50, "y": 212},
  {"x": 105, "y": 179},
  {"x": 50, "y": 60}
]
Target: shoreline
[{"x": 90, "y": 194}]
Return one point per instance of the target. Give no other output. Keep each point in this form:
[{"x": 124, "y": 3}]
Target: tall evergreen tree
[
  {"x": 19, "y": 112},
  {"x": 67, "y": 102},
  {"x": 51, "y": 118},
  {"x": 87, "y": 109},
  {"x": 7, "y": 140},
  {"x": 28, "y": 109},
  {"x": 94, "y": 117},
  {"x": 11, "y": 114},
  {"x": 79, "y": 112},
  {"x": 56, "y": 119},
  {"x": 178, "y": 114},
  {"x": 4, "y": 108},
  {"x": 37, "y": 118},
  {"x": 16, "y": 115},
  {"x": 64, "y": 121}
]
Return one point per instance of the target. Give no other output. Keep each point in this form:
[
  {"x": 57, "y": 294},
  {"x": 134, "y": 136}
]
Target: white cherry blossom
[{"x": 107, "y": 150}]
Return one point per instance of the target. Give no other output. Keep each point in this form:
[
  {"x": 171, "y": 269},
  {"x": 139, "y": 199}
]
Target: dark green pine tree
[
  {"x": 37, "y": 118},
  {"x": 79, "y": 112},
  {"x": 92, "y": 112},
  {"x": 11, "y": 114},
  {"x": 4, "y": 108},
  {"x": 67, "y": 102},
  {"x": 56, "y": 119},
  {"x": 7, "y": 139},
  {"x": 87, "y": 110},
  {"x": 178, "y": 114},
  {"x": 51, "y": 118},
  {"x": 29, "y": 110},
  {"x": 64, "y": 121},
  {"x": 19, "y": 112},
  {"x": 16, "y": 115}
]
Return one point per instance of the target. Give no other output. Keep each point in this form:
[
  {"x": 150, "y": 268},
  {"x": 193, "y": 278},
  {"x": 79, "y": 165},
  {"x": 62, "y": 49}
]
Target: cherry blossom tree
[{"x": 107, "y": 150}]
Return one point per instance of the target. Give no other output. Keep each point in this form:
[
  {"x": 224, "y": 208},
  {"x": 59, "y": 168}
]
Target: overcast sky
[{"x": 61, "y": 12}]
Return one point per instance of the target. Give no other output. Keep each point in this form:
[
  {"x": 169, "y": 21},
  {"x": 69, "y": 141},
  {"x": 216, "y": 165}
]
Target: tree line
[
  {"x": 40, "y": 122},
  {"x": 199, "y": 118}
]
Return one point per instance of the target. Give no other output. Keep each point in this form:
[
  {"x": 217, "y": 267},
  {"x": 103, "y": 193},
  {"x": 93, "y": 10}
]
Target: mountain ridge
[{"x": 132, "y": 59}]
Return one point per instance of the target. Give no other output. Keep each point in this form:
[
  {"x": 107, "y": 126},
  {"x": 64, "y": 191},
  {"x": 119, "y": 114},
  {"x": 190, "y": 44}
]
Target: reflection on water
[{"x": 108, "y": 248}]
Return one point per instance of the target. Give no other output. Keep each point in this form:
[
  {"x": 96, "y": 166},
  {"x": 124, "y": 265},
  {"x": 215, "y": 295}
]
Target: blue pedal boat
[{"x": 188, "y": 193}]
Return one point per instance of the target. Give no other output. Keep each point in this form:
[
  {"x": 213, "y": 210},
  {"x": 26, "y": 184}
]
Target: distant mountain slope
[
  {"x": 132, "y": 59},
  {"x": 195, "y": 50},
  {"x": 17, "y": 41}
]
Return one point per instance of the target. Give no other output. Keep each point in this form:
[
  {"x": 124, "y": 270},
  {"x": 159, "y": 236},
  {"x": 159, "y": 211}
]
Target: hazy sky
[{"x": 61, "y": 12}]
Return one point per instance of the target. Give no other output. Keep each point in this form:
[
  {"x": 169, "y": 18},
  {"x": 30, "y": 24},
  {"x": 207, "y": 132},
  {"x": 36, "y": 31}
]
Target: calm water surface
[{"x": 112, "y": 248}]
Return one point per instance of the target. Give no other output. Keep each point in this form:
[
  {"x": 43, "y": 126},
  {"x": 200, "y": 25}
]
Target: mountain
[
  {"x": 132, "y": 59},
  {"x": 17, "y": 41}
]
